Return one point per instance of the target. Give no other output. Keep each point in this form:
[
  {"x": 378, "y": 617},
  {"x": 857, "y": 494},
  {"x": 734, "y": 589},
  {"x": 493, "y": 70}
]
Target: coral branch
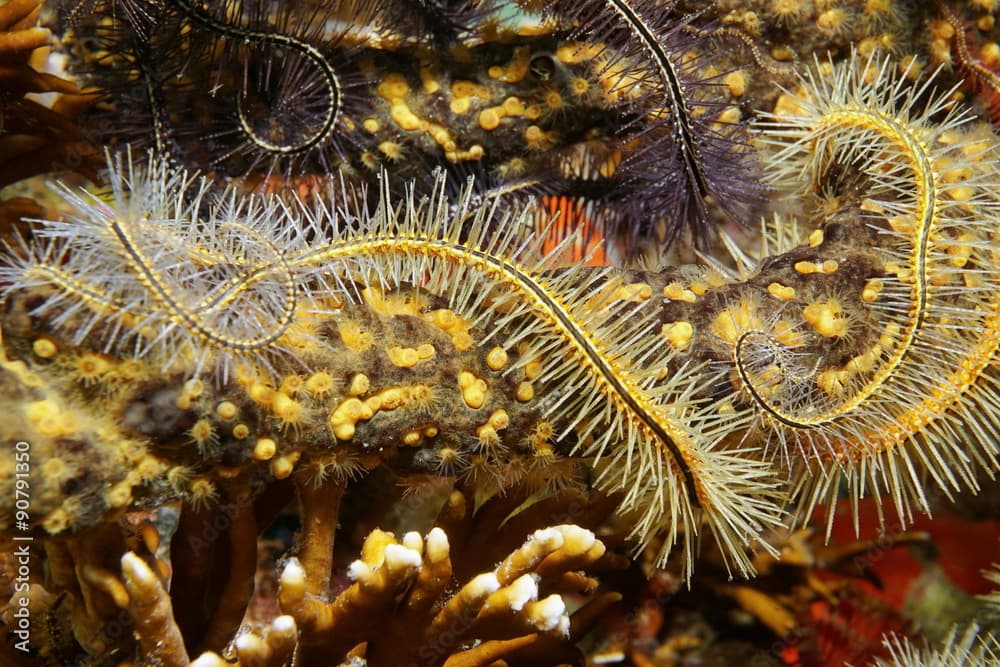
[
  {"x": 319, "y": 507},
  {"x": 235, "y": 595},
  {"x": 152, "y": 615}
]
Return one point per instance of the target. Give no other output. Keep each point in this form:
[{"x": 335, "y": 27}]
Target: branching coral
[
  {"x": 399, "y": 597},
  {"x": 501, "y": 609}
]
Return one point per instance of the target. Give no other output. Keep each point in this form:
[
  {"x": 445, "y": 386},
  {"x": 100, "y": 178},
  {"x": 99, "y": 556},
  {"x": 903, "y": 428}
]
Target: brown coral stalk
[
  {"x": 236, "y": 595},
  {"x": 488, "y": 652},
  {"x": 319, "y": 507},
  {"x": 149, "y": 606}
]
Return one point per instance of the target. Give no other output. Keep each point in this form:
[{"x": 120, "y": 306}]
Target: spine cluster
[{"x": 615, "y": 104}]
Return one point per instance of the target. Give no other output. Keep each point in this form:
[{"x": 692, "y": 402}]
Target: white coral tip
[
  {"x": 436, "y": 545},
  {"x": 399, "y": 558},
  {"x": 483, "y": 585},
  {"x": 293, "y": 574},
  {"x": 523, "y": 590},
  {"x": 358, "y": 570},
  {"x": 549, "y": 538},
  {"x": 546, "y": 614}
]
